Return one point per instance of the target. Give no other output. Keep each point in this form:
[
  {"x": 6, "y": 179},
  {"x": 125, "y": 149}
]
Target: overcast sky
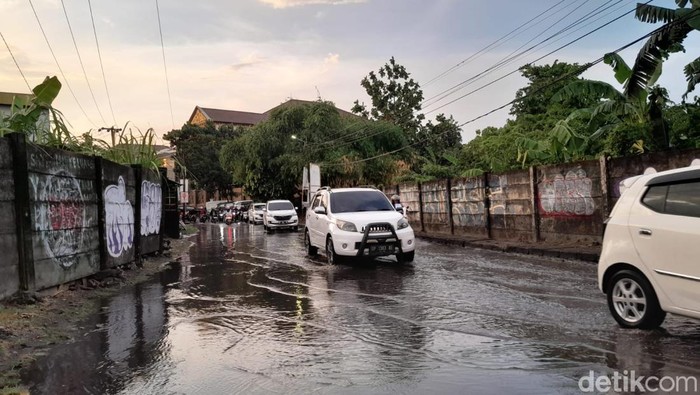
[{"x": 251, "y": 55}]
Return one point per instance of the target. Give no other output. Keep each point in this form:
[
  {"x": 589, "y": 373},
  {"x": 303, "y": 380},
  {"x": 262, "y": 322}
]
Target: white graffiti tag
[
  {"x": 151, "y": 207},
  {"x": 119, "y": 218},
  {"x": 568, "y": 195}
]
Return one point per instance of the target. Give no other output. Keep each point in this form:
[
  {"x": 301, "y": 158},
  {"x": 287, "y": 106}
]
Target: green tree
[
  {"x": 198, "y": 151},
  {"x": 395, "y": 96}
]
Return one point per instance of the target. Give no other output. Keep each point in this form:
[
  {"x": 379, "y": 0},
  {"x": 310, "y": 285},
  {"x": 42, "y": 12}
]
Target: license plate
[{"x": 381, "y": 248}]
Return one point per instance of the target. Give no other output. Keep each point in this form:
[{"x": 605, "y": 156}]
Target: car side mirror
[
  {"x": 296, "y": 208},
  {"x": 320, "y": 210}
]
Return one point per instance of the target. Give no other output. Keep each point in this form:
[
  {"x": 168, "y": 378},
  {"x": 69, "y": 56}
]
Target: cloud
[
  {"x": 299, "y": 3},
  {"x": 332, "y": 58},
  {"x": 248, "y": 61}
]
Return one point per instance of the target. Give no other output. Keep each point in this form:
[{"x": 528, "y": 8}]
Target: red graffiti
[{"x": 65, "y": 215}]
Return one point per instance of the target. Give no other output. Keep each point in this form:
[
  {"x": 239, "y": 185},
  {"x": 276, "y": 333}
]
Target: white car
[
  {"x": 256, "y": 212},
  {"x": 650, "y": 262},
  {"x": 357, "y": 222},
  {"x": 280, "y": 214}
]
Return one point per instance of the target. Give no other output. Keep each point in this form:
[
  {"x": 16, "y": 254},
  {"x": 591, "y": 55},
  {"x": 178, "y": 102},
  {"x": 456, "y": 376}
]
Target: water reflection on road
[{"x": 250, "y": 313}]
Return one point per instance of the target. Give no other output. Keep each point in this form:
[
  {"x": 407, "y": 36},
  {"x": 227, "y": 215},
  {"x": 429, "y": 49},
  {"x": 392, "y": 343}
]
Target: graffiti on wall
[
  {"x": 468, "y": 204},
  {"x": 119, "y": 219},
  {"x": 568, "y": 195},
  {"x": 151, "y": 208},
  {"x": 59, "y": 215},
  {"x": 497, "y": 194},
  {"x": 435, "y": 203}
]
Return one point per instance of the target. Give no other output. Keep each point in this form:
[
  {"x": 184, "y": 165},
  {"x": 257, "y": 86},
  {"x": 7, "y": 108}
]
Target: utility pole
[{"x": 112, "y": 130}]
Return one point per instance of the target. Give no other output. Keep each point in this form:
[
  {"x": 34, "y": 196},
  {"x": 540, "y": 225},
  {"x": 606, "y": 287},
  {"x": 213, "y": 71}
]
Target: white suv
[
  {"x": 280, "y": 214},
  {"x": 359, "y": 222},
  {"x": 650, "y": 262}
]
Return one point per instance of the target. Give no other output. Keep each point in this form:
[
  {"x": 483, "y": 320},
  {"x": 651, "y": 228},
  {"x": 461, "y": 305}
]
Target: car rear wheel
[
  {"x": 310, "y": 250},
  {"x": 331, "y": 256},
  {"x": 633, "y": 302}
]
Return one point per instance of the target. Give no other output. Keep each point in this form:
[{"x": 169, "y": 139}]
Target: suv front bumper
[{"x": 370, "y": 244}]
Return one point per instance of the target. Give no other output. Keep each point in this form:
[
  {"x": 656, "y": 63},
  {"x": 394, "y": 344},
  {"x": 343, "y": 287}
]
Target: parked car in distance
[
  {"x": 357, "y": 222},
  {"x": 650, "y": 261},
  {"x": 256, "y": 212},
  {"x": 280, "y": 214}
]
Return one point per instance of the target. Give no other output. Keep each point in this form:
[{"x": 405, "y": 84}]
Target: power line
[
  {"x": 15, "y": 60},
  {"x": 536, "y": 60},
  {"x": 487, "y": 71},
  {"x": 80, "y": 59},
  {"x": 165, "y": 66},
  {"x": 513, "y": 56},
  {"x": 580, "y": 70},
  {"x": 99, "y": 55},
  {"x": 59, "y": 66},
  {"x": 493, "y": 44}
]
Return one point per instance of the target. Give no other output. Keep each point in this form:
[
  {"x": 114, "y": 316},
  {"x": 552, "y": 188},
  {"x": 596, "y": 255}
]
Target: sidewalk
[{"x": 565, "y": 251}]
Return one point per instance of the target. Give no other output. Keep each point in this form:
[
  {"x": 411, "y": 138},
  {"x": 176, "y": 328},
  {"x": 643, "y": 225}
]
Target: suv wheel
[
  {"x": 310, "y": 250},
  {"x": 633, "y": 302},
  {"x": 331, "y": 256},
  {"x": 406, "y": 257}
]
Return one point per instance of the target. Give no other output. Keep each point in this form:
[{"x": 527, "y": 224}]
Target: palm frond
[
  {"x": 692, "y": 75},
  {"x": 596, "y": 90},
  {"x": 654, "y": 14},
  {"x": 650, "y": 56},
  {"x": 619, "y": 66}
]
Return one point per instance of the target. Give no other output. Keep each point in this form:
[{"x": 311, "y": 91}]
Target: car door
[
  {"x": 665, "y": 228},
  {"x": 312, "y": 221}
]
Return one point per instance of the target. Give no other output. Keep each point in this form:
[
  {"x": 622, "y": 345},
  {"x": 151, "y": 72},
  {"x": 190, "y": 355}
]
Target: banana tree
[{"x": 680, "y": 22}]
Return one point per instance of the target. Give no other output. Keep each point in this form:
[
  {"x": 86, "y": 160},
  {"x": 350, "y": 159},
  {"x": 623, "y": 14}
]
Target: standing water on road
[{"x": 251, "y": 313}]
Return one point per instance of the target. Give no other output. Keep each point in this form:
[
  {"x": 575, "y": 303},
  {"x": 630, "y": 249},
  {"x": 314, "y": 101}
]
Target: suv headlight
[
  {"x": 402, "y": 224},
  {"x": 346, "y": 226}
]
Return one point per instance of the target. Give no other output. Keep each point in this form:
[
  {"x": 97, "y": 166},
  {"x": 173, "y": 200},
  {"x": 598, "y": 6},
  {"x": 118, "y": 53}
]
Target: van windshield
[{"x": 274, "y": 206}]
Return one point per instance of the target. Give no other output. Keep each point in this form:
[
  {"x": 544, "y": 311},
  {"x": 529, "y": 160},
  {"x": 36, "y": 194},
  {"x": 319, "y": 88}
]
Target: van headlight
[
  {"x": 346, "y": 226},
  {"x": 403, "y": 223}
]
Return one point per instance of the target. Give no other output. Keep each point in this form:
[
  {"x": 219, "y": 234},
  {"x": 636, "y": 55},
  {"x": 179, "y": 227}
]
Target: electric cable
[
  {"x": 59, "y": 66},
  {"x": 102, "y": 68},
  {"x": 80, "y": 59},
  {"x": 580, "y": 70},
  {"x": 513, "y": 56},
  {"x": 15, "y": 60},
  {"x": 492, "y": 45},
  {"x": 165, "y": 66}
]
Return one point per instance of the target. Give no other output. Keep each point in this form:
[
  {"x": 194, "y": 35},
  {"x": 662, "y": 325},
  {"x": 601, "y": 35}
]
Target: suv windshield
[
  {"x": 354, "y": 201},
  {"x": 274, "y": 206}
]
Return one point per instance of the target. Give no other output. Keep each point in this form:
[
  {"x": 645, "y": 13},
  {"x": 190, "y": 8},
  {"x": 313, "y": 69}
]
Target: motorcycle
[{"x": 228, "y": 218}]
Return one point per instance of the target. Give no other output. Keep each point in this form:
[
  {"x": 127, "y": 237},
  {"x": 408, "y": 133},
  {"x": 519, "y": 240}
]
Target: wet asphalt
[{"x": 250, "y": 313}]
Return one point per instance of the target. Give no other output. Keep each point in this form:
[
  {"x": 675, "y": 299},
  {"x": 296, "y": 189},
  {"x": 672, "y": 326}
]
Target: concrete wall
[
  {"x": 63, "y": 209},
  {"x": 78, "y": 215},
  {"x": 510, "y": 210},
  {"x": 9, "y": 264},
  {"x": 570, "y": 202},
  {"x": 436, "y": 216},
  {"x": 468, "y": 206},
  {"x": 554, "y": 204},
  {"x": 151, "y": 211},
  {"x": 410, "y": 197},
  {"x": 621, "y": 168},
  {"x": 119, "y": 197}
]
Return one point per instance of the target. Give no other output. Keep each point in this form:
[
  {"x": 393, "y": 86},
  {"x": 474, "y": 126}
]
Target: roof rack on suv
[{"x": 324, "y": 188}]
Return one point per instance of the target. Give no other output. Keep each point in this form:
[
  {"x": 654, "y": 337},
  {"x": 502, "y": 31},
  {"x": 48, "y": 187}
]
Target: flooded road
[{"x": 250, "y": 313}]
